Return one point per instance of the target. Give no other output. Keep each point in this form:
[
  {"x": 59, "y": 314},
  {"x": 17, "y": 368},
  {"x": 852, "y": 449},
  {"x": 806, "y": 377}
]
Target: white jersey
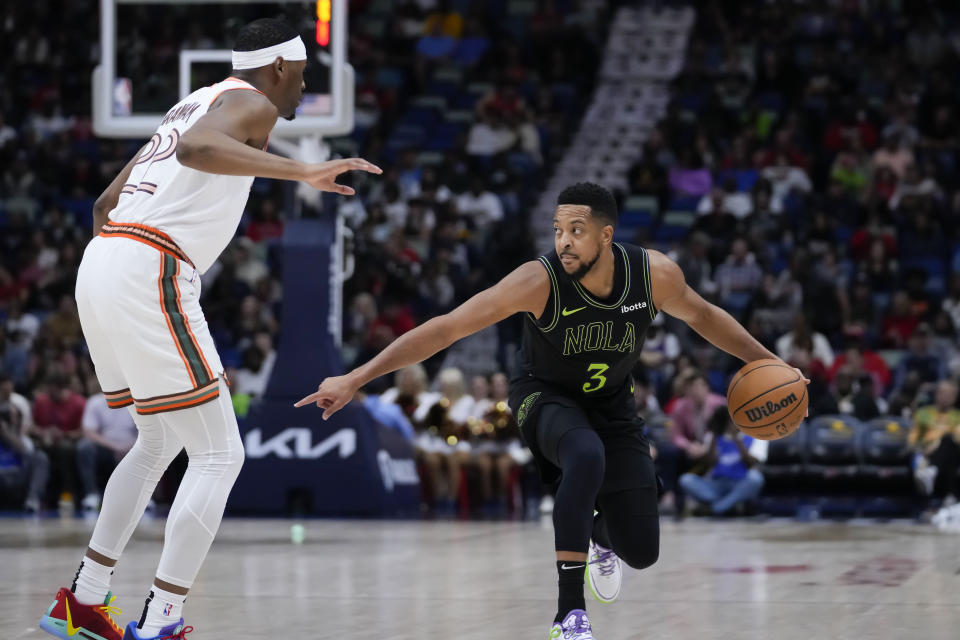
[{"x": 200, "y": 211}]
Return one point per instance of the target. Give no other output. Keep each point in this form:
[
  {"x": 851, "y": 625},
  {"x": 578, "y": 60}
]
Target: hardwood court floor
[{"x": 484, "y": 580}]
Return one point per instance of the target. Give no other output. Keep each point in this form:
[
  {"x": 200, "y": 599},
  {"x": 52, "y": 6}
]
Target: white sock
[
  {"x": 163, "y": 609},
  {"x": 92, "y": 582}
]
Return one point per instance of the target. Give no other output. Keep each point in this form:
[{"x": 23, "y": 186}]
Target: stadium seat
[
  {"x": 642, "y": 203},
  {"x": 745, "y": 178},
  {"x": 637, "y": 218},
  {"x": 420, "y": 116},
  {"x": 675, "y": 226},
  {"x": 79, "y": 207},
  {"x": 842, "y": 234},
  {"x": 683, "y": 219},
  {"x": 430, "y": 158},
  {"x": 630, "y": 235},
  {"x": 832, "y": 457},
  {"x": 684, "y": 203},
  {"x": 885, "y": 454},
  {"x": 783, "y": 469},
  {"x": 459, "y": 115}
]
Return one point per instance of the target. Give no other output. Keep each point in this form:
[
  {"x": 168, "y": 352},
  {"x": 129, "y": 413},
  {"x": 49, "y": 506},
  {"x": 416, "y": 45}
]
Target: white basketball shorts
[{"x": 138, "y": 297}]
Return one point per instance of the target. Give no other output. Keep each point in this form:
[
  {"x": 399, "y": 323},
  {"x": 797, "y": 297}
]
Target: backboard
[{"x": 155, "y": 52}]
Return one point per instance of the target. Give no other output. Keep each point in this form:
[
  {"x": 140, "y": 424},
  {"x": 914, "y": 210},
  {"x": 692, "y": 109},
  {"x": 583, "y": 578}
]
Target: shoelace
[
  {"x": 607, "y": 560},
  {"x": 109, "y": 611},
  {"x": 180, "y": 635},
  {"x": 580, "y": 626}
]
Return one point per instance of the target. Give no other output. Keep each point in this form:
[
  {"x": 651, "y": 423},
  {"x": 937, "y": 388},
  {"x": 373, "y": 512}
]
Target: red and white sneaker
[{"x": 68, "y": 619}]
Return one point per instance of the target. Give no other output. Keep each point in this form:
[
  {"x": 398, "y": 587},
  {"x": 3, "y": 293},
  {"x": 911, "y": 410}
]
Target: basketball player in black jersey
[{"x": 587, "y": 308}]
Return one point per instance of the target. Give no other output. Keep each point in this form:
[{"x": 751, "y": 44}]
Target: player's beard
[
  {"x": 584, "y": 268},
  {"x": 292, "y": 116}
]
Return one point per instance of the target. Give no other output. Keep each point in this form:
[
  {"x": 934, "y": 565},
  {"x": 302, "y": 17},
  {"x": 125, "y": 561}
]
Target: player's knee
[
  {"x": 235, "y": 460},
  {"x": 153, "y": 452},
  {"x": 583, "y": 460},
  {"x": 640, "y": 556},
  {"x": 224, "y": 462},
  {"x": 239, "y": 459}
]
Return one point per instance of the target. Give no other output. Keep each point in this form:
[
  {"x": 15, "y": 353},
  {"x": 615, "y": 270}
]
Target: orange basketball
[{"x": 767, "y": 399}]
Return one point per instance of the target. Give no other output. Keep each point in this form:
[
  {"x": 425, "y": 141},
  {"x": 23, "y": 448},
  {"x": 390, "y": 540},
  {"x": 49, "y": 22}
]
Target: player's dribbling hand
[
  {"x": 331, "y": 395},
  {"x": 323, "y": 175}
]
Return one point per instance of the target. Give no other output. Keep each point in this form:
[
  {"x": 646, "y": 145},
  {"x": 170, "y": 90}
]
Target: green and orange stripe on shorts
[{"x": 205, "y": 384}]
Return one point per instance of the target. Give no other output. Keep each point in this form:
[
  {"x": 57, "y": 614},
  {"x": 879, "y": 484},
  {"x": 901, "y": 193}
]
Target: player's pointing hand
[
  {"x": 323, "y": 175},
  {"x": 331, "y": 395}
]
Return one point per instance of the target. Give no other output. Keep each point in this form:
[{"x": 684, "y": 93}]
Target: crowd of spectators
[
  {"x": 815, "y": 145},
  {"x": 427, "y": 233},
  {"x": 467, "y": 105}
]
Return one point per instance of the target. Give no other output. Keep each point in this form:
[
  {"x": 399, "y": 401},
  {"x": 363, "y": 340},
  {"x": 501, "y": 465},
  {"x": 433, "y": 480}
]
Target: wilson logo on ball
[{"x": 766, "y": 410}]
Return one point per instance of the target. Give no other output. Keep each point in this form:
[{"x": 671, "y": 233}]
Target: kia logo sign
[{"x": 297, "y": 443}]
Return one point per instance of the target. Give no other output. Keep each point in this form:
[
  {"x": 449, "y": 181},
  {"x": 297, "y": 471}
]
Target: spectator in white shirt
[
  {"x": 479, "y": 205},
  {"x": 786, "y": 178},
  {"x": 26, "y": 325},
  {"x": 107, "y": 436},
  {"x": 7, "y": 133},
  {"x": 914, "y": 185},
  {"x": 258, "y": 361},
  {"x": 728, "y": 198},
  {"x": 739, "y": 276},
  {"x": 802, "y": 337},
  {"x": 394, "y": 206},
  {"x": 490, "y": 136},
  {"x": 250, "y": 268}
]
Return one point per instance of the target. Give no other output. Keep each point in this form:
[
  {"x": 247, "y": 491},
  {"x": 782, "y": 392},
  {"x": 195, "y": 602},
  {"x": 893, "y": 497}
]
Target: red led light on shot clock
[{"x": 323, "y": 22}]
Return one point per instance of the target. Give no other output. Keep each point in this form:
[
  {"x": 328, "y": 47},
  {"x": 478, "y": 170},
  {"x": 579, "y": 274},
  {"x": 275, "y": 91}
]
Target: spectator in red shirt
[
  {"x": 862, "y": 360},
  {"x": 851, "y": 125},
  {"x": 396, "y": 317},
  {"x": 505, "y": 101},
  {"x": 900, "y": 321},
  {"x": 57, "y": 418},
  {"x": 10, "y": 289},
  {"x": 266, "y": 224},
  {"x": 865, "y": 236},
  {"x": 783, "y": 145}
]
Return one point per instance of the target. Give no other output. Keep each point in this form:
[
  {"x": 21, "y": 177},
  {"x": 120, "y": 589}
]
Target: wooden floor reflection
[{"x": 487, "y": 580}]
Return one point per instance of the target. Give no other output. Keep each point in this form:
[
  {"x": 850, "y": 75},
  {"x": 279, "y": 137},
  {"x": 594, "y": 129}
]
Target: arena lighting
[{"x": 324, "y": 11}]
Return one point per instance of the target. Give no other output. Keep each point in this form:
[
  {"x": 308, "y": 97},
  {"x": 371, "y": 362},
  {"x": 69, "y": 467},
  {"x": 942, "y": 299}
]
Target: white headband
[{"x": 290, "y": 50}]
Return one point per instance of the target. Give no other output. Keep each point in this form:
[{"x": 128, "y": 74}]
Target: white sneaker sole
[{"x": 596, "y": 592}]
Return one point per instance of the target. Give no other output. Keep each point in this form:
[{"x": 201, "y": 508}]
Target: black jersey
[{"x": 587, "y": 347}]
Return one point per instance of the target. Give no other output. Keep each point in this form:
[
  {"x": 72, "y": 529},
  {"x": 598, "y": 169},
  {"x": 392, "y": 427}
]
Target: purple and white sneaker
[
  {"x": 604, "y": 573},
  {"x": 575, "y": 626},
  {"x": 175, "y": 631}
]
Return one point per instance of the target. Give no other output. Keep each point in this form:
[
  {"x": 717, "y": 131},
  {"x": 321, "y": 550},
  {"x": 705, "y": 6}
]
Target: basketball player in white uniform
[{"x": 161, "y": 223}]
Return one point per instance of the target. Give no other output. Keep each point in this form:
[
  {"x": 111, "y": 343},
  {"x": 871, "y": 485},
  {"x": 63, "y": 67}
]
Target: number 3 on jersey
[{"x": 600, "y": 379}]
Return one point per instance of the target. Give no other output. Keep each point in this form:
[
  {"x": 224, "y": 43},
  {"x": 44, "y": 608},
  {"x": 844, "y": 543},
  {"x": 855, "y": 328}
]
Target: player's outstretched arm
[
  {"x": 220, "y": 142},
  {"x": 527, "y": 288},
  {"x": 672, "y": 295}
]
